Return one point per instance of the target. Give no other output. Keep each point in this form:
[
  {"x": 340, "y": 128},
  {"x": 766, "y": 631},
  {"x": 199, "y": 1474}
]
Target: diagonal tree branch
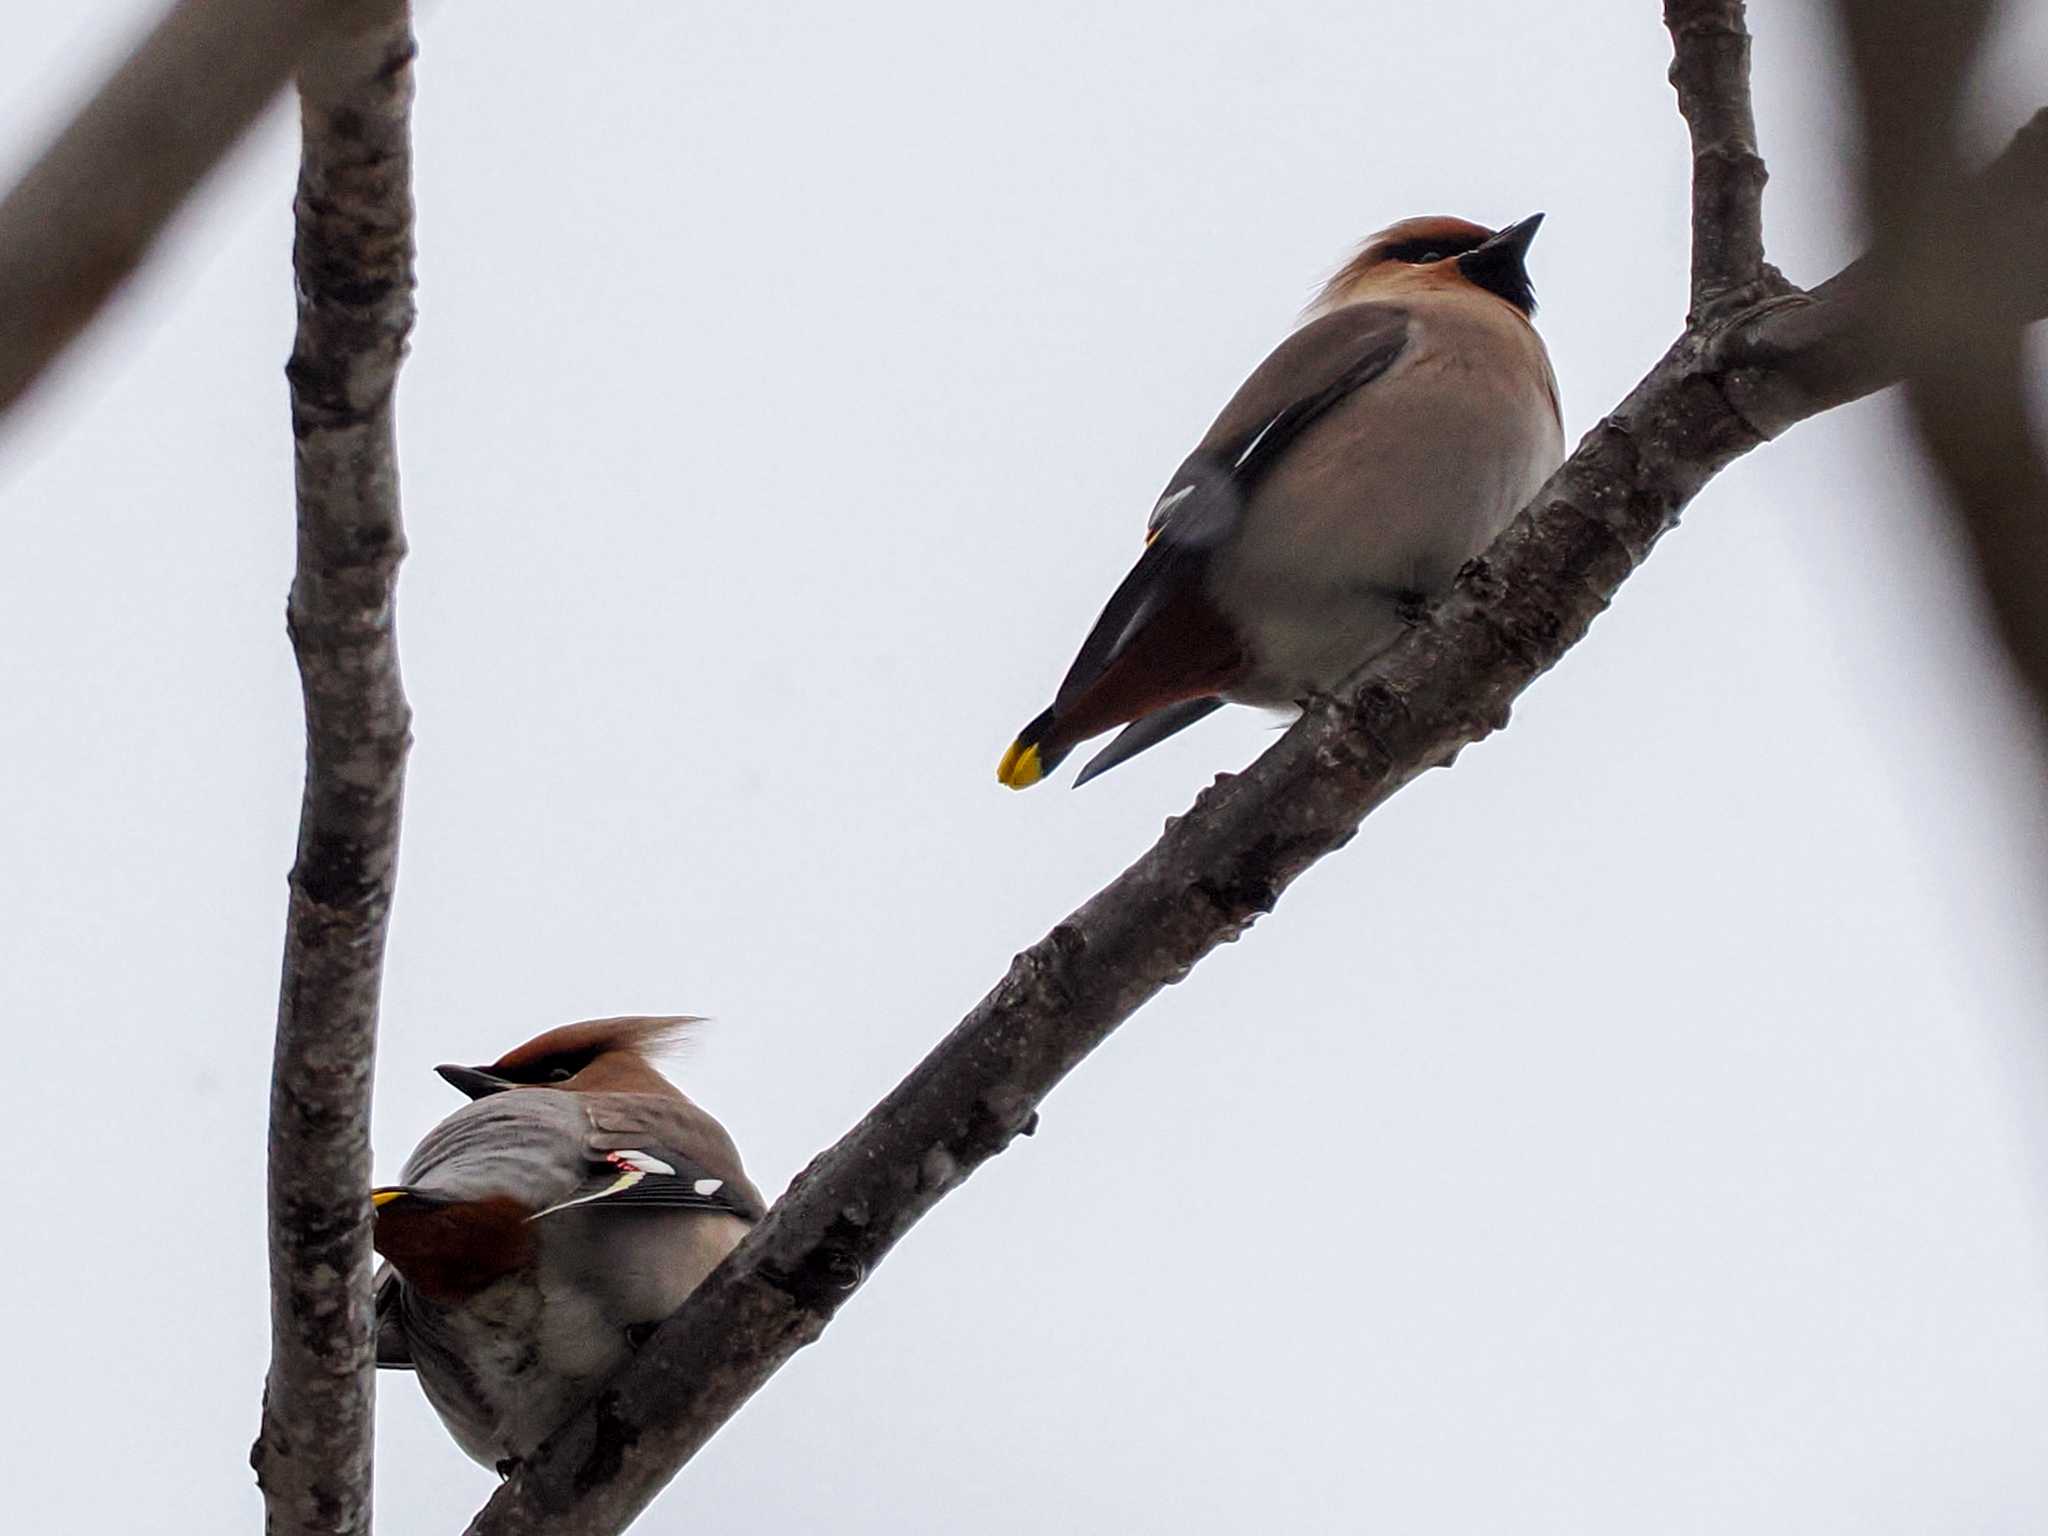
[
  {"x": 1449, "y": 682},
  {"x": 91, "y": 206},
  {"x": 1956, "y": 276},
  {"x": 353, "y": 260}
]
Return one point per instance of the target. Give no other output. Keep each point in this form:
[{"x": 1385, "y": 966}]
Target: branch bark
[
  {"x": 1956, "y": 276},
  {"x": 1710, "y": 73},
  {"x": 1449, "y": 682},
  {"x": 88, "y": 210},
  {"x": 353, "y": 260}
]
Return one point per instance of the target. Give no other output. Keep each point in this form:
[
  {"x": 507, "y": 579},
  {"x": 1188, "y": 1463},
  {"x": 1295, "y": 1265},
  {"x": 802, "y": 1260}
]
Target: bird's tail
[
  {"x": 446, "y": 1248},
  {"x": 1038, "y": 749}
]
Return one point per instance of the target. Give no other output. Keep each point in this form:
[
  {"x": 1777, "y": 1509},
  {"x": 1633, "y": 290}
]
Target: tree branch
[
  {"x": 1710, "y": 72},
  {"x": 1957, "y": 276},
  {"x": 1449, "y": 682},
  {"x": 353, "y": 260},
  {"x": 88, "y": 210},
  {"x": 1808, "y": 353}
]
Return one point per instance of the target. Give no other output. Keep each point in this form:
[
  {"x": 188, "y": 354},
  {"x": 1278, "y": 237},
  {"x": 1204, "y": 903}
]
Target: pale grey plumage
[
  {"x": 1381, "y": 446},
  {"x": 622, "y": 1201},
  {"x": 1389, "y": 494}
]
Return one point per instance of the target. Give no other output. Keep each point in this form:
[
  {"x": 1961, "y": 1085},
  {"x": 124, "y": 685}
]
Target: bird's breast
[{"x": 1384, "y": 499}]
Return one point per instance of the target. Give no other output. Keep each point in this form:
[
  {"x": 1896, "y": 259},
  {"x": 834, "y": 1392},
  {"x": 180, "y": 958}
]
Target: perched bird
[
  {"x": 542, "y": 1230},
  {"x": 1381, "y": 446}
]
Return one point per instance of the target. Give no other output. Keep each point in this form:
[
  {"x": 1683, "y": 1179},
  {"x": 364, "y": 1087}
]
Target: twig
[
  {"x": 1449, "y": 682},
  {"x": 1710, "y": 72},
  {"x": 354, "y": 268}
]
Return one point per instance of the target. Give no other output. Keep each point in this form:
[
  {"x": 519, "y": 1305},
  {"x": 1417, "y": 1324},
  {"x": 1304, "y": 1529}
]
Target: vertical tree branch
[
  {"x": 1710, "y": 71},
  {"x": 1956, "y": 270},
  {"x": 353, "y": 259},
  {"x": 90, "y": 207}
]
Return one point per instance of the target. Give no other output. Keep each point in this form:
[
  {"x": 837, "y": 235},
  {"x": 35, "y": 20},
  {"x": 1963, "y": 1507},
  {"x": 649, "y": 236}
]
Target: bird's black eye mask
[
  {"x": 1421, "y": 252},
  {"x": 558, "y": 1068}
]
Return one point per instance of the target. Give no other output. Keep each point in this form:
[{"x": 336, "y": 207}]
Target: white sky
[{"x": 1634, "y": 1129}]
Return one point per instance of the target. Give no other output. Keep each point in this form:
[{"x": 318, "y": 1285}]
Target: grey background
[{"x": 1636, "y": 1128}]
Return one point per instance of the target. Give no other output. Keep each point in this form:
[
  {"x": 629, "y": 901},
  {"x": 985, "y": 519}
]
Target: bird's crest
[
  {"x": 1417, "y": 241},
  {"x": 642, "y": 1034}
]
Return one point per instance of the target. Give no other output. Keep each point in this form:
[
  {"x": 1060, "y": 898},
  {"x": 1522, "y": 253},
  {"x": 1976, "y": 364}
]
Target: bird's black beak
[
  {"x": 474, "y": 1081},
  {"x": 1516, "y": 238},
  {"x": 1497, "y": 266}
]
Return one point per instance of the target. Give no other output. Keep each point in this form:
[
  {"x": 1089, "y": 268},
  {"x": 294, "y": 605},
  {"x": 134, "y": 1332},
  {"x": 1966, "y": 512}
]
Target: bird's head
[
  {"x": 598, "y": 1055},
  {"x": 1434, "y": 251}
]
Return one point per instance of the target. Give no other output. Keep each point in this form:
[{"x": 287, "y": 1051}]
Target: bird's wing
[
  {"x": 1147, "y": 732},
  {"x": 394, "y": 1349},
  {"x": 646, "y": 1151},
  {"x": 1203, "y": 504}
]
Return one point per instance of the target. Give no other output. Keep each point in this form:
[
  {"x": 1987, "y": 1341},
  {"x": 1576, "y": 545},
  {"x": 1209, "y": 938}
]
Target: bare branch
[
  {"x": 1808, "y": 353},
  {"x": 1449, "y": 682},
  {"x": 89, "y": 209},
  {"x": 1957, "y": 275},
  {"x": 353, "y": 259},
  {"x": 1710, "y": 71}
]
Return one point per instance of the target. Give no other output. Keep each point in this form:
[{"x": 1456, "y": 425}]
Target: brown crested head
[
  {"x": 1438, "y": 248},
  {"x": 595, "y": 1055}
]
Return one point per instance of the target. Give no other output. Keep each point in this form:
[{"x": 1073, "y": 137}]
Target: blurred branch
[
  {"x": 1957, "y": 276},
  {"x": 1449, "y": 682},
  {"x": 353, "y": 261},
  {"x": 1811, "y": 352},
  {"x": 87, "y": 211}
]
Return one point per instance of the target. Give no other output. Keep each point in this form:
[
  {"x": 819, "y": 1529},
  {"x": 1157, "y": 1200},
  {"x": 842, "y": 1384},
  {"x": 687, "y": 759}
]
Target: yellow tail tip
[
  {"x": 382, "y": 1197},
  {"x": 1020, "y": 767}
]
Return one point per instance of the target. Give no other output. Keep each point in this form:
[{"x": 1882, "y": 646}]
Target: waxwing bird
[
  {"x": 540, "y": 1231},
  {"x": 1385, "y": 443}
]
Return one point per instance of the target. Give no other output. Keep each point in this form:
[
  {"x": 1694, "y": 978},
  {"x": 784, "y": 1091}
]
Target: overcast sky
[{"x": 1635, "y": 1128}]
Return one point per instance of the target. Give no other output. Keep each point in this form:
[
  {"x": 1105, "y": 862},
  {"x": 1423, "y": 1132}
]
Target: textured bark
[
  {"x": 1956, "y": 274},
  {"x": 1710, "y": 72},
  {"x": 353, "y": 260},
  {"x": 94, "y": 202},
  {"x": 1756, "y": 357}
]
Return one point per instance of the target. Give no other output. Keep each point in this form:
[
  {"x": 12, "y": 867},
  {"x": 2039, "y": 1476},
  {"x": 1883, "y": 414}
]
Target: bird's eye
[
  {"x": 1419, "y": 253},
  {"x": 560, "y": 1075}
]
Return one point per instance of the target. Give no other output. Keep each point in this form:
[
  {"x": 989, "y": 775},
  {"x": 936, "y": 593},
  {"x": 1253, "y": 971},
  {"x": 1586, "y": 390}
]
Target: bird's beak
[
  {"x": 1497, "y": 265},
  {"x": 1512, "y": 243},
  {"x": 474, "y": 1081}
]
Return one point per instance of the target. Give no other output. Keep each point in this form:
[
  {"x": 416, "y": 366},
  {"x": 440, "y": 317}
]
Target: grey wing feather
[
  {"x": 552, "y": 1150},
  {"x": 683, "y": 1158},
  {"x": 394, "y": 1349},
  {"x": 1147, "y": 732},
  {"x": 1203, "y": 505}
]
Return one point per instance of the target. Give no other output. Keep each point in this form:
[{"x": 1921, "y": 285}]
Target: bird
[
  {"x": 1381, "y": 446},
  {"x": 539, "y": 1233}
]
